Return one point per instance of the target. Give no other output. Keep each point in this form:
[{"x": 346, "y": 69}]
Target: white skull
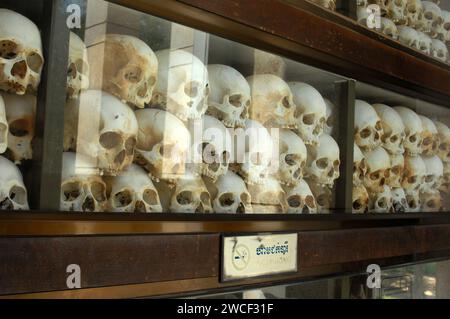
[
  {"x": 229, "y": 194},
  {"x": 21, "y": 57},
  {"x": 367, "y": 125},
  {"x": 331, "y": 118},
  {"x": 272, "y": 101},
  {"x": 310, "y": 111},
  {"x": 381, "y": 202},
  {"x": 414, "y": 173},
  {"x": 413, "y": 130},
  {"x": 445, "y": 185},
  {"x": 212, "y": 147},
  {"x": 413, "y": 200},
  {"x": 268, "y": 197},
  {"x": 124, "y": 66},
  {"x": 182, "y": 87},
  {"x": 4, "y": 129},
  {"x": 100, "y": 126},
  {"x": 360, "y": 199},
  {"x": 163, "y": 144},
  {"x": 396, "y": 10},
  {"x": 432, "y": 18},
  {"x": 424, "y": 43},
  {"x": 21, "y": 117},
  {"x": 378, "y": 169},
  {"x": 293, "y": 156},
  {"x": 78, "y": 67},
  {"x": 13, "y": 194},
  {"x": 430, "y": 137},
  {"x": 431, "y": 201},
  {"x": 396, "y": 170},
  {"x": 133, "y": 191},
  {"x": 82, "y": 189},
  {"x": 323, "y": 161},
  {"x": 439, "y": 50},
  {"x": 408, "y": 36},
  {"x": 300, "y": 199},
  {"x": 399, "y": 202},
  {"x": 393, "y": 129},
  {"x": 362, "y": 14},
  {"x": 388, "y": 28},
  {"x": 434, "y": 174},
  {"x": 414, "y": 12},
  {"x": 446, "y": 26},
  {"x": 444, "y": 141},
  {"x": 229, "y": 97},
  {"x": 328, "y": 4},
  {"x": 359, "y": 166},
  {"x": 324, "y": 197}
]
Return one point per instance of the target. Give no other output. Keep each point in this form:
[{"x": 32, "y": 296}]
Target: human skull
[
  {"x": 323, "y": 161},
  {"x": 229, "y": 97},
  {"x": 396, "y": 10},
  {"x": 424, "y": 43},
  {"x": 124, "y": 66},
  {"x": 413, "y": 130},
  {"x": 369, "y": 129},
  {"x": 310, "y": 111},
  {"x": 444, "y": 141},
  {"x": 430, "y": 137},
  {"x": 78, "y": 67},
  {"x": 360, "y": 199},
  {"x": 445, "y": 185},
  {"x": 268, "y": 197},
  {"x": 396, "y": 170},
  {"x": 229, "y": 194},
  {"x": 182, "y": 87},
  {"x": 293, "y": 156},
  {"x": 414, "y": 12},
  {"x": 431, "y": 18},
  {"x": 381, "y": 202},
  {"x": 388, "y": 27},
  {"x": 211, "y": 147},
  {"x": 4, "y": 129},
  {"x": 378, "y": 169},
  {"x": 414, "y": 174},
  {"x": 434, "y": 174},
  {"x": 439, "y": 50},
  {"x": 331, "y": 118},
  {"x": 82, "y": 189},
  {"x": 300, "y": 199},
  {"x": 132, "y": 191},
  {"x": 163, "y": 144},
  {"x": 21, "y": 57},
  {"x": 359, "y": 166},
  {"x": 431, "y": 201},
  {"x": 393, "y": 129},
  {"x": 272, "y": 101},
  {"x": 100, "y": 126},
  {"x": 13, "y": 194},
  {"x": 399, "y": 202},
  {"x": 408, "y": 36},
  {"x": 413, "y": 200},
  {"x": 327, "y": 4},
  {"x": 324, "y": 197},
  {"x": 21, "y": 117}
]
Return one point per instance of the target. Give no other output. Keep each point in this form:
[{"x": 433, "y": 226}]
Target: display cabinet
[{"x": 137, "y": 136}]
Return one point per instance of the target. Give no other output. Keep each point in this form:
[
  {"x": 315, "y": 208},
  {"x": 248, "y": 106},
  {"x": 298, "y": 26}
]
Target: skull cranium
[{"x": 13, "y": 194}]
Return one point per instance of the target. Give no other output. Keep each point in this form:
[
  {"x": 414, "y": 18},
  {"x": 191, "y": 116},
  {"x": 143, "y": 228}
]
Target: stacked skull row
[
  {"x": 421, "y": 25},
  {"x": 401, "y": 160}
]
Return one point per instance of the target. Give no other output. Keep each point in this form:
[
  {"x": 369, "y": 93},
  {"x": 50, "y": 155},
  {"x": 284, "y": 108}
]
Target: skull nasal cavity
[
  {"x": 19, "y": 69},
  {"x": 110, "y": 140},
  {"x": 235, "y": 100},
  {"x": 19, "y": 128}
]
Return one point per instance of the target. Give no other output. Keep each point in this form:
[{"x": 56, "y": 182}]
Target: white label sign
[{"x": 254, "y": 256}]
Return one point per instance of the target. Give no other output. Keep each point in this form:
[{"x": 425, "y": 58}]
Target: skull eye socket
[
  {"x": 98, "y": 191},
  {"x": 122, "y": 199},
  {"x": 81, "y": 66},
  {"x": 133, "y": 74},
  {"x": 71, "y": 191},
  {"x": 290, "y": 159},
  {"x": 110, "y": 140},
  {"x": 8, "y": 49},
  {"x": 336, "y": 163},
  {"x": 412, "y": 9},
  {"x": 294, "y": 201},
  {"x": 394, "y": 139},
  {"x": 205, "y": 198},
  {"x": 235, "y": 100},
  {"x": 428, "y": 15},
  {"x": 308, "y": 119},
  {"x": 365, "y": 133},
  {"x": 34, "y": 62},
  {"x": 447, "y": 26},
  {"x": 443, "y": 147},
  {"x": 191, "y": 89},
  {"x": 286, "y": 102},
  {"x": 310, "y": 202},
  {"x": 427, "y": 141},
  {"x": 322, "y": 200},
  {"x": 184, "y": 198},
  {"x": 19, "y": 128},
  {"x": 18, "y": 194},
  {"x": 150, "y": 197},
  {"x": 357, "y": 205},
  {"x": 412, "y": 179},
  {"x": 226, "y": 199},
  {"x": 396, "y": 170},
  {"x": 322, "y": 163},
  {"x": 375, "y": 176},
  {"x": 245, "y": 198},
  {"x": 429, "y": 178},
  {"x": 413, "y": 138}
]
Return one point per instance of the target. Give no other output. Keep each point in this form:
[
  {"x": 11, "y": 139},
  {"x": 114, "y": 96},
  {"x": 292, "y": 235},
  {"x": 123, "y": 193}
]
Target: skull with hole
[
  {"x": 439, "y": 50},
  {"x": 399, "y": 202},
  {"x": 272, "y": 101},
  {"x": 211, "y": 147},
  {"x": 310, "y": 112},
  {"x": 414, "y": 12},
  {"x": 444, "y": 141},
  {"x": 323, "y": 161},
  {"x": 124, "y": 66},
  {"x": 360, "y": 199},
  {"x": 230, "y": 194},
  {"x": 21, "y": 57},
  {"x": 300, "y": 199},
  {"x": 4, "y": 128},
  {"x": 182, "y": 87},
  {"x": 396, "y": 170},
  {"x": 292, "y": 158},
  {"x": 413, "y": 130},
  {"x": 431, "y": 201},
  {"x": 393, "y": 129},
  {"x": 21, "y": 116},
  {"x": 268, "y": 197},
  {"x": 430, "y": 137},
  {"x": 327, "y": 4},
  {"x": 100, "y": 126},
  {"x": 229, "y": 98},
  {"x": 424, "y": 43},
  {"x": 82, "y": 189},
  {"x": 388, "y": 28},
  {"x": 408, "y": 36},
  {"x": 254, "y": 158},
  {"x": 359, "y": 166},
  {"x": 414, "y": 173},
  {"x": 413, "y": 200},
  {"x": 13, "y": 194},
  {"x": 445, "y": 184},
  {"x": 324, "y": 196},
  {"x": 369, "y": 129},
  {"x": 132, "y": 191},
  {"x": 381, "y": 202},
  {"x": 431, "y": 18},
  {"x": 78, "y": 67},
  {"x": 434, "y": 174},
  {"x": 163, "y": 144},
  {"x": 331, "y": 118},
  {"x": 378, "y": 169}
]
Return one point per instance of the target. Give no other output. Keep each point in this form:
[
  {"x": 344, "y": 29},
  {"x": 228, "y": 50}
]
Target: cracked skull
[{"x": 13, "y": 194}]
